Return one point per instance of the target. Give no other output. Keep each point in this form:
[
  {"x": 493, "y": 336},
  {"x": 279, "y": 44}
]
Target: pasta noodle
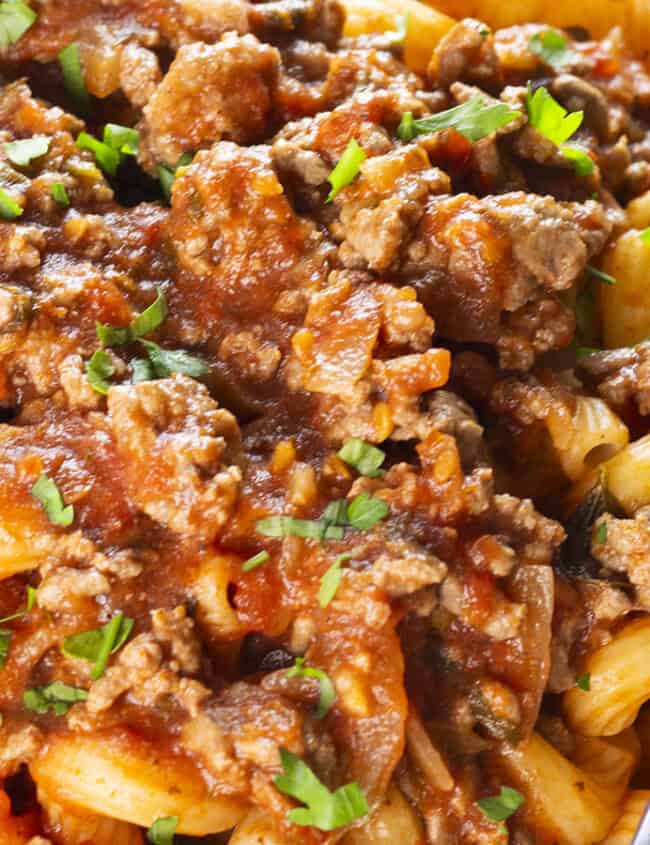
[
  {"x": 210, "y": 589},
  {"x": 610, "y": 762},
  {"x": 117, "y": 775},
  {"x": 394, "y": 821},
  {"x": 257, "y": 829},
  {"x": 634, "y": 807},
  {"x": 627, "y": 475},
  {"x": 81, "y": 828},
  {"x": 619, "y": 684},
  {"x": 560, "y": 797},
  {"x": 625, "y": 306}
]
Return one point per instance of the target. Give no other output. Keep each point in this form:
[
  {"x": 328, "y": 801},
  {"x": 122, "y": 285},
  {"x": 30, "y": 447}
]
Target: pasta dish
[{"x": 324, "y": 422}]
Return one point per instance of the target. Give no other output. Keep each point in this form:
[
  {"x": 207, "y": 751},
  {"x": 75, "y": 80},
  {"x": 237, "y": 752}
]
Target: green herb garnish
[
  {"x": 364, "y": 457},
  {"x": 500, "y": 807},
  {"x": 23, "y": 152},
  {"x": 598, "y": 274},
  {"x": 162, "y": 831},
  {"x": 557, "y": 125},
  {"x": 600, "y": 536},
  {"x": 365, "y": 511},
  {"x": 331, "y": 580},
  {"x": 324, "y": 810},
  {"x": 552, "y": 48},
  {"x": 475, "y": 119},
  {"x": 645, "y": 236},
  {"x": 99, "y": 369},
  {"x": 106, "y": 157},
  {"x": 346, "y": 168},
  {"x": 257, "y": 560},
  {"x": 49, "y": 495},
  {"x": 167, "y": 174},
  {"x": 30, "y": 601},
  {"x": 98, "y": 644},
  {"x": 151, "y": 318},
  {"x": 327, "y": 695},
  {"x": 73, "y": 76},
  {"x": 58, "y": 697},
  {"x": 60, "y": 195},
  {"x": 168, "y": 361},
  {"x": 289, "y": 526},
  {"x": 15, "y": 19},
  {"x": 123, "y": 139},
  {"x": 9, "y": 208},
  {"x": 583, "y": 682}
]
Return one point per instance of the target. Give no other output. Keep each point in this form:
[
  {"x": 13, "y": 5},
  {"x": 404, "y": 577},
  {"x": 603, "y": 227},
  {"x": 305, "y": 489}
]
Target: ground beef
[
  {"x": 466, "y": 53},
  {"x": 620, "y": 375},
  {"x": 626, "y": 548}
]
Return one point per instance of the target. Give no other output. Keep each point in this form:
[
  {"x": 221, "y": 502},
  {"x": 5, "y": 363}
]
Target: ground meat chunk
[
  {"x": 314, "y": 20},
  {"x": 137, "y": 662},
  {"x": 60, "y": 589},
  {"x": 210, "y": 92},
  {"x": 452, "y": 415},
  {"x": 176, "y": 444},
  {"x": 626, "y": 548},
  {"x": 17, "y": 747},
  {"x": 174, "y": 628},
  {"x": 465, "y": 53},
  {"x": 533, "y": 536},
  {"x": 620, "y": 375}
]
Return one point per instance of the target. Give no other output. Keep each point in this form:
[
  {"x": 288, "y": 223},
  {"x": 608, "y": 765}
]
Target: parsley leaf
[
  {"x": 98, "y": 644},
  {"x": 142, "y": 371},
  {"x": 123, "y": 139},
  {"x": 582, "y": 162},
  {"x": 604, "y": 277},
  {"x": 152, "y": 317},
  {"x": 325, "y": 810},
  {"x": 257, "y": 560},
  {"x": 15, "y": 19},
  {"x": 60, "y": 195},
  {"x": 365, "y": 511},
  {"x": 99, "y": 369},
  {"x": 500, "y": 807},
  {"x": 475, "y": 119},
  {"x": 5, "y": 639},
  {"x": 552, "y": 48},
  {"x": 58, "y": 697},
  {"x": 600, "y": 536},
  {"x": 331, "y": 580},
  {"x": 49, "y": 495},
  {"x": 73, "y": 76},
  {"x": 167, "y": 174},
  {"x": 22, "y": 152},
  {"x": 327, "y": 695},
  {"x": 29, "y": 604},
  {"x": 168, "y": 361},
  {"x": 364, "y": 457},
  {"x": 549, "y": 118},
  {"x": 346, "y": 168},
  {"x": 9, "y": 208},
  {"x": 106, "y": 157},
  {"x": 285, "y": 526},
  {"x": 645, "y": 236},
  {"x": 583, "y": 682},
  {"x": 162, "y": 831}
]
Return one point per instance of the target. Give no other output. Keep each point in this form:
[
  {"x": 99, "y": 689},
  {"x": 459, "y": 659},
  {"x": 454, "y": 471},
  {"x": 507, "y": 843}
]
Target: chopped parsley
[
  {"x": 362, "y": 513},
  {"x": 49, "y": 495},
  {"x": 327, "y": 695},
  {"x": 365, "y": 511},
  {"x": 109, "y": 153},
  {"x": 57, "y": 697},
  {"x": 30, "y": 601},
  {"x": 557, "y": 125},
  {"x": 59, "y": 194},
  {"x": 347, "y": 168},
  {"x": 598, "y": 274},
  {"x": 324, "y": 810},
  {"x": 167, "y": 175},
  {"x": 162, "y": 831},
  {"x": 5, "y": 633},
  {"x": 99, "y": 369},
  {"x": 583, "y": 682},
  {"x": 23, "y": 152},
  {"x": 123, "y": 139},
  {"x": 151, "y": 318},
  {"x": 600, "y": 536},
  {"x": 475, "y": 119},
  {"x": 106, "y": 157},
  {"x": 645, "y": 236},
  {"x": 5, "y": 639},
  {"x": 331, "y": 580},
  {"x": 73, "y": 76},
  {"x": 167, "y": 361},
  {"x": 141, "y": 370},
  {"x": 364, "y": 457},
  {"x": 257, "y": 560},
  {"x": 98, "y": 644},
  {"x": 289, "y": 526},
  {"x": 15, "y": 19},
  {"x": 500, "y": 807},
  {"x": 9, "y": 208},
  {"x": 552, "y": 48}
]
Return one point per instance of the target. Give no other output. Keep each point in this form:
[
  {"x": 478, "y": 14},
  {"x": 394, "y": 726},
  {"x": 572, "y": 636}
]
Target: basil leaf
[
  {"x": 549, "y": 118},
  {"x": 312, "y": 529},
  {"x": 346, "y": 168},
  {"x": 73, "y": 75},
  {"x": 331, "y": 580},
  {"x": 167, "y": 175},
  {"x": 29, "y": 604},
  {"x": 106, "y": 157},
  {"x": 5, "y": 639},
  {"x": 112, "y": 335},
  {"x": 22, "y": 152},
  {"x": 15, "y": 19},
  {"x": 475, "y": 119},
  {"x": 583, "y": 682},
  {"x": 58, "y": 697},
  {"x": 59, "y": 193},
  {"x": 336, "y": 513},
  {"x": 598, "y": 274},
  {"x": 9, "y": 208},
  {"x": 364, "y": 457},
  {"x": 552, "y": 48},
  {"x": 645, "y": 236},
  {"x": 142, "y": 371},
  {"x": 145, "y": 322},
  {"x": 168, "y": 361},
  {"x": 327, "y": 695},
  {"x": 122, "y": 139},
  {"x": 99, "y": 369},
  {"x": 325, "y": 810},
  {"x": 255, "y": 561},
  {"x": 162, "y": 831},
  {"x": 500, "y": 807},
  {"x": 49, "y": 495},
  {"x": 365, "y": 511},
  {"x": 582, "y": 162},
  {"x": 98, "y": 644},
  {"x": 600, "y": 536}
]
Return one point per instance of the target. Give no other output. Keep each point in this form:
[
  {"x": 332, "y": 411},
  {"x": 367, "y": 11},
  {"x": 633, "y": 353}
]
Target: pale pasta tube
[
  {"x": 257, "y": 828},
  {"x": 637, "y": 212},
  {"x": 561, "y": 799},
  {"x": 634, "y": 807},
  {"x": 594, "y": 434},
  {"x": 627, "y": 475},
  {"x": 610, "y": 762},
  {"x": 597, "y": 16},
  {"x": 625, "y": 306},
  {"x": 395, "y": 821},
  {"x": 425, "y": 26},
  {"x": 209, "y": 587},
  {"x": 75, "y": 828},
  {"x": 120, "y": 775},
  {"x": 619, "y": 684}
]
